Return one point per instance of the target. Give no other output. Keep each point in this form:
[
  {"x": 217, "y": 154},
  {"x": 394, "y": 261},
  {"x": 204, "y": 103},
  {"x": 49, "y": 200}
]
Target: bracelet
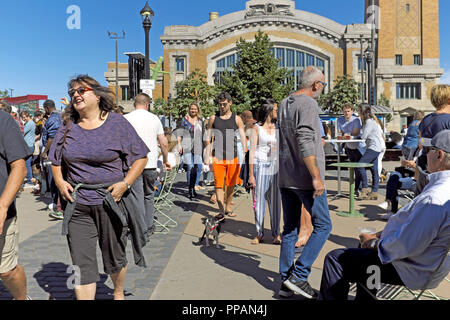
[{"x": 128, "y": 186}]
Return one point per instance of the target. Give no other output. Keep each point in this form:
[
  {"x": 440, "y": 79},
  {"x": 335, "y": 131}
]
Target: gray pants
[{"x": 142, "y": 189}]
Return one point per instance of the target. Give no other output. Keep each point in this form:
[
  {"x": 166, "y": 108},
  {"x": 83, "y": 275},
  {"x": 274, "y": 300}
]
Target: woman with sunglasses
[{"x": 96, "y": 157}]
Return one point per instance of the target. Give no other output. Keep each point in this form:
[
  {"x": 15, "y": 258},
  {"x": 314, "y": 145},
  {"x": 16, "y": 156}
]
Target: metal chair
[
  {"x": 163, "y": 203},
  {"x": 390, "y": 292}
]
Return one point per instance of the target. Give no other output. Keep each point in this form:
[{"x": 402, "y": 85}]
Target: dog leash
[{"x": 217, "y": 223}]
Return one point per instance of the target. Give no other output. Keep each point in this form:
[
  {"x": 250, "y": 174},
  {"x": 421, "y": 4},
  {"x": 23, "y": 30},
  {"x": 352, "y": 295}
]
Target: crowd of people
[{"x": 103, "y": 170}]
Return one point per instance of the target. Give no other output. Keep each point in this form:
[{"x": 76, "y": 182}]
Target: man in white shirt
[
  {"x": 412, "y": 245},
  {"x": 149, "y": 127}
]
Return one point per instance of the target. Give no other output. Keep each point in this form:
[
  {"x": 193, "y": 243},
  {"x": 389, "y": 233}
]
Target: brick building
[{"x": 407, "y": 47}]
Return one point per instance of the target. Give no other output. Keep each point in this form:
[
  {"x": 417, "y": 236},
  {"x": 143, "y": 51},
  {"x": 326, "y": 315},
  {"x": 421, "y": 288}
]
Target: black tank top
[{"x": 225, "y": 142}]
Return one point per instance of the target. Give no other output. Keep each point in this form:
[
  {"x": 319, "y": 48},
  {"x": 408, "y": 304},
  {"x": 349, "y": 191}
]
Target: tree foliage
[
  {"x": 384, "y": 101},
  {"x": 194, "y": 88},
  {"x": 256, "y": 75},
  {"x": 345, "y": 90},
  {"x": 4, "y": 94}
]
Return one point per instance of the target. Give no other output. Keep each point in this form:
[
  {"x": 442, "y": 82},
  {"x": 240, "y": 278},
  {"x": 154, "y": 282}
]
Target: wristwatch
[{"x": 128, "y": 186}]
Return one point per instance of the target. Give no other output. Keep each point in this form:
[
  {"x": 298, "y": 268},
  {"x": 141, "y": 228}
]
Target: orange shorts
[{"x": 226, "y": 172}]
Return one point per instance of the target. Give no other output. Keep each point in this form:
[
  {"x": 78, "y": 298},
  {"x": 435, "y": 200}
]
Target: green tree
[
  {"x": 4, "y": 94},
  {"x": 345, "y": 90},
  {"x": 256, "y": 75},
  {"x": 160, "y": 107},
  {"x": 384, "y": 101},
  {"x": 196, "y": 89}
]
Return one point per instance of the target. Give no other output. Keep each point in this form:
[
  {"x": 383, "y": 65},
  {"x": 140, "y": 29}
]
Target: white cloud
[{"x": 446, "y": 76}]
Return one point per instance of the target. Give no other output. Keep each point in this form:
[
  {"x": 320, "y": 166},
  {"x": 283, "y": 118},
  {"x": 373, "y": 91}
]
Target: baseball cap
[
  {"x": 14, "y": 109},
  {"x": 440, "y": 141}
]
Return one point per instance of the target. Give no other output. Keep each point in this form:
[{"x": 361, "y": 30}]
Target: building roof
[{"x": 27, "y": 98}]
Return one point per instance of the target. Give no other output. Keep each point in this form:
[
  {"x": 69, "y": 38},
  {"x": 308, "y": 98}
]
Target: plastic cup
[{"x": 367, "y": 230}]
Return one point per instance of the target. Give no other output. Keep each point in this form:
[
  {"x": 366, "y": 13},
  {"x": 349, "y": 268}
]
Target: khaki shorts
[{"x": 9, "y": 246}]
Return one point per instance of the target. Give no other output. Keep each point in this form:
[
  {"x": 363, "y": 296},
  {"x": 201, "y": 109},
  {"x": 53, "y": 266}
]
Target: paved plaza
[{"x": 180, "y": 268}]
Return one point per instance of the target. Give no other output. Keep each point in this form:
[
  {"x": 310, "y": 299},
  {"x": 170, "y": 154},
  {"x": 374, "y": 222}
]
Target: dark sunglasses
[
  {"x": 428, "y": 149},
  {"x": 80, "y": 90}
]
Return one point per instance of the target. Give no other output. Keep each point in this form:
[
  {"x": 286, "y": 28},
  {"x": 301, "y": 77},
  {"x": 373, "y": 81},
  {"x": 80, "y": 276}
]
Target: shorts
[
  {"x": 88, "y": 225},
  {"x": 9, "y": 246},
  {"x": 226, "y": 172}
]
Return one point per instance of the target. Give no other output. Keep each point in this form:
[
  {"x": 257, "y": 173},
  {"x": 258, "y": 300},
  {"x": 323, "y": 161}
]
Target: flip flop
[
  {"x": 230, "y": 214},
  {"x": 257, "y": 240}
]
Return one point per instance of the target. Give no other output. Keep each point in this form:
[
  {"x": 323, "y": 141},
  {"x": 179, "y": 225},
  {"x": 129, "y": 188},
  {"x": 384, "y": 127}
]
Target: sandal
[
  {"x": 257, "y": 240},
  {"x": 230, "y": 214},
  {"x": 276, "y": 240}
]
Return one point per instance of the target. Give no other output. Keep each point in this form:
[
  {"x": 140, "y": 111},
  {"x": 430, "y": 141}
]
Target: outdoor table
[
  {"x": 351, "y": 166},
  {"x": 339, "y": 194}
]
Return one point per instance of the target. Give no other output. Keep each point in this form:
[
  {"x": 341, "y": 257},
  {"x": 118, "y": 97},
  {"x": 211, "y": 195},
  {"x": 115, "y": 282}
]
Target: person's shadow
[
  {"x": 58, "y": 280},
  {"x": 247, "y": 264}
]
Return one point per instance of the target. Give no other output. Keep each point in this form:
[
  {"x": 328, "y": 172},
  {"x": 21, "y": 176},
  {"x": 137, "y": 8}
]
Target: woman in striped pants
[{"x": 263, "y": 171}]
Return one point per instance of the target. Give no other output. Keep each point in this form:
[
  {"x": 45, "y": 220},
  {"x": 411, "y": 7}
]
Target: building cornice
[{"x": 230, "y": 23}]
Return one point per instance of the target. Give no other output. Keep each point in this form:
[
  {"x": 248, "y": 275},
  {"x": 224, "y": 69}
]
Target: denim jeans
[
  {"x": 369, "y": 156},
  {"x": 190, "y": 159},
  {"x": 397, "y": 182},
  {"x": 143, "y": 191},
  {"x": 28, "y": 166},
  {"x": 292, "y": 200},
  {"x": 353, "y": 154}
]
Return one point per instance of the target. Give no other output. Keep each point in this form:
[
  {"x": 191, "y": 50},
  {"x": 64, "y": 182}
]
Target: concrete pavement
[{"x": 179, "y": 268}]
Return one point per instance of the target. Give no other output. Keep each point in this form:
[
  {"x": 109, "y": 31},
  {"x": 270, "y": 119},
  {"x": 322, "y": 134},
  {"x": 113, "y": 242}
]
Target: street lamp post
[
  {"x": 361, "y": 56},
  {"x": 114, "y": 36},
  {"x": 11, "y": 92},
  {"x": 147, "y": 15},
  {"x": 369, "y": 57}
]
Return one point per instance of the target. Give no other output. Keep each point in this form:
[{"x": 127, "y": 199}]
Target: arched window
[{"x": 293, "y": 60}]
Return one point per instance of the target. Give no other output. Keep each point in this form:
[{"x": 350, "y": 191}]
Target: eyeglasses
[
  {"x": 428, "y": 149},
  {"x": 323, "y": 83},
  {"x": 80, "y": 90}
]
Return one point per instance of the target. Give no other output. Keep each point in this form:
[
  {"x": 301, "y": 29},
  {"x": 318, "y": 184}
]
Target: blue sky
[{"x": 39, "y": 54}]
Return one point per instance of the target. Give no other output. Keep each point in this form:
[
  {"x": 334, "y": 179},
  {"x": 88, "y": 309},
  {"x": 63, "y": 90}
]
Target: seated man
[
  {"x": 401, "y": 179},
  {"x": 411, "y": 246}
]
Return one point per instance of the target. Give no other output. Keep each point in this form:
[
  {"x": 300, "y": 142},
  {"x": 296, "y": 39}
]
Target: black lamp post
[
  {"x": 147, "y": 15},
  {"x": 369, "y": 60}
]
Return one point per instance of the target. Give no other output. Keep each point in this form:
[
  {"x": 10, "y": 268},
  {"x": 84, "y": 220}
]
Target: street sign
[
  {"x": 149, "y": 92},
  {"x": 147, "y": 84}
]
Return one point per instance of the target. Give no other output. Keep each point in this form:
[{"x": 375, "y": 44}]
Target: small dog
[{"x": 212, "y": 227}]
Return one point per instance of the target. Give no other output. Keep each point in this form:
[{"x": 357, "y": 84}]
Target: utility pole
[
  {"x": 10, "y": 95},
  {"x": 115, "y": 36}
]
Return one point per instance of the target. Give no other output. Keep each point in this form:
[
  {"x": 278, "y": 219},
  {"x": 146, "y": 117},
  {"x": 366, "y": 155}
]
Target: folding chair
[
  {"x": 162, "y": 202},
  {"x": 390, "y": 292}
]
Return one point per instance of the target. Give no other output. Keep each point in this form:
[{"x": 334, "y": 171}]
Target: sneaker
[
  {"x": 28, "y": 185},
  {"x": 300, "y": 287},
  {"x": 387, "y": 216},
  {"x": 285, "y": 292},
  {"x": 384, "y": 205},
  {"x": 372, "y": 196},
  {"x": 58, "y": 215}
]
